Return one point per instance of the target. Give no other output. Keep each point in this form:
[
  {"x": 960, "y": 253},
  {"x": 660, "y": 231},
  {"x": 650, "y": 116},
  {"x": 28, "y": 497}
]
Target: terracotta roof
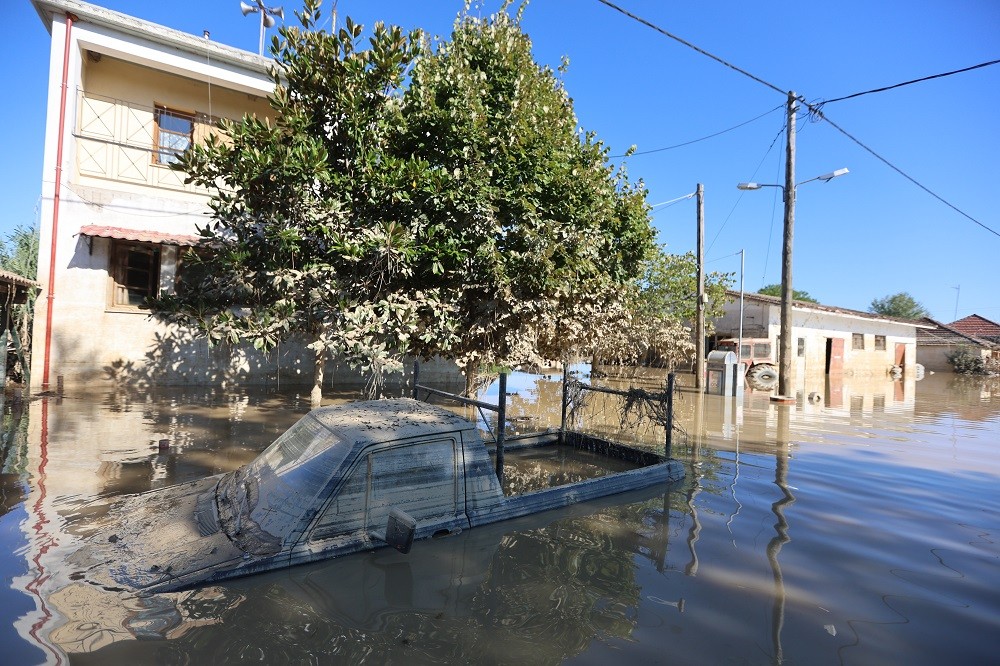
[
  {"x": 139, "y": 235},
  {"x": 945, "y": 334},
  {"x": 808, "y": 305},
  {"x": 977, "y": 326}
]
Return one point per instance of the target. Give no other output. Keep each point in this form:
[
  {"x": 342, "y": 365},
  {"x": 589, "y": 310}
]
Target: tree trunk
[
  {"x": 316, "y": 396},
  {"x": 471, "y": 377}
]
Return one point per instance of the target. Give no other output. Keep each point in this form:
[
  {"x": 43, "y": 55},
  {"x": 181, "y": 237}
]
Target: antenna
[{"x": 267, "y": 15}]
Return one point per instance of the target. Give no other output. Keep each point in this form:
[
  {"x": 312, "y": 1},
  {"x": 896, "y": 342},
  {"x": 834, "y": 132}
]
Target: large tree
[
  {"x": 900, "y": 305},
  {"x": 661, "y": 307},
  {"x": 543, "y": 235},
  {"x": 307, "y": 237},
  {"x": 468, "y": 217}
]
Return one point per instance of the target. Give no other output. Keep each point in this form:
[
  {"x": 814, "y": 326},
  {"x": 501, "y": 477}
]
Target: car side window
[
  {"x": 420, "y": 479},
  {"x": 346, "y": 512}
]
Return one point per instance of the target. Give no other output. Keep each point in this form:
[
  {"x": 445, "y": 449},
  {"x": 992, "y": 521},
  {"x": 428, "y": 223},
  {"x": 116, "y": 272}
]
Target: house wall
[
  {"x": 816, "y": 327},
  {"x": 935, "y": 358},
  {"x": 115, "y": 126},
  {"x": 108, "y": 178}
]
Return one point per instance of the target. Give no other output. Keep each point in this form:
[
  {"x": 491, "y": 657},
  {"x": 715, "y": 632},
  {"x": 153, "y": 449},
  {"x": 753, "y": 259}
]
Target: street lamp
[
  {"x": 826, "y": 177},
  {"x": 785, "y": 335},
  {"x": 267, "y": 15}
]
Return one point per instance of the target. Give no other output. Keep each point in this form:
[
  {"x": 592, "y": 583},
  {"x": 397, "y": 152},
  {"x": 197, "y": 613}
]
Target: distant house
[
  {"x": 827, "y": 340},
  {"x": 978, "y": 327},
  {"x": 936, "y": 341}
]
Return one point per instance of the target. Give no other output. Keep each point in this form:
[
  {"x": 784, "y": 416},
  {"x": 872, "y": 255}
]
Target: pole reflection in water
[
  {"x": 781, "y": 537},
  {"x": 695, "y": 487}
]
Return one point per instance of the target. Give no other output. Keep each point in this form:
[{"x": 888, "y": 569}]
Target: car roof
[{"x": 388, "y": 420}]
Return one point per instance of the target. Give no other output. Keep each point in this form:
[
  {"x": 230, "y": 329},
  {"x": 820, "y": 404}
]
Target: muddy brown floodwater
[{"x": 858, "y": 526}]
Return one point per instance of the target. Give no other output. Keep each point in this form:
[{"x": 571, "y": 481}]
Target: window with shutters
[{"x": 135, "y": 273}]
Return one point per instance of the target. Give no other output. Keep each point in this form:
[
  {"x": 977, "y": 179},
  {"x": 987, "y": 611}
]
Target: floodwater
[{"x": 858, "y": 526}]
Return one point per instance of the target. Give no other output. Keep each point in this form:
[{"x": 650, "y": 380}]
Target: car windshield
[{"x": 283, "y": 483}]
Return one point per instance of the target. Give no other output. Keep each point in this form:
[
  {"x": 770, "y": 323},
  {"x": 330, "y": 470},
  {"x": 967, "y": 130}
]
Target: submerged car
[{"x": 341, "y": 480}]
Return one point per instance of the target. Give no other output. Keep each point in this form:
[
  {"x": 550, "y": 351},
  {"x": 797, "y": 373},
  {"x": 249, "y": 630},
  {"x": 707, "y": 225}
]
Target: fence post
[
  {"x": 3, "y": 367},
  {"x": 501, "y": 425},
  {"x": 416, "y": 377},
  {"x": 668, "y": 445},
  {"x": 565, "y": 393}
]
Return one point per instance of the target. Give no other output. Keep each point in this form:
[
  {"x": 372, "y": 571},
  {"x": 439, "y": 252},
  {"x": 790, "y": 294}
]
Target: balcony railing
[{"x": 116, "y": 140}]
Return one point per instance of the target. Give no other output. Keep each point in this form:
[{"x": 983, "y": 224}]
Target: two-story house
[{"x": 126, "y": 97}]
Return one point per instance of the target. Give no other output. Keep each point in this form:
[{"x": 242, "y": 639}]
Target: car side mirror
[{"x": 399, "y": 530}]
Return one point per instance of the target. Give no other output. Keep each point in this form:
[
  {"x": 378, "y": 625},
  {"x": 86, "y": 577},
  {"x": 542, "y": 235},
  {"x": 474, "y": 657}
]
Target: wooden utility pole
[
  {"x": 785, "y": 347},
  {"x": 699, "y": 368}
]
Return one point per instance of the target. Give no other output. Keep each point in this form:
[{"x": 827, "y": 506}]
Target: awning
[
  {"x": 139, "y": 235},
  {"x": 6, "y": 277}
]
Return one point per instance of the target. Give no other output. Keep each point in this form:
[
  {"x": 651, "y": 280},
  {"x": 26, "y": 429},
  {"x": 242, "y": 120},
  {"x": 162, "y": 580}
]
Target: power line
[
  {"x": 733, "y": 209},
  {"x": 688, "y": 143},
  {"x": 691, "y": 46},
  {"x": 815, "y": 109},
  {"x": 905, "y": 83},
  {"x": 819, "y": 114}
]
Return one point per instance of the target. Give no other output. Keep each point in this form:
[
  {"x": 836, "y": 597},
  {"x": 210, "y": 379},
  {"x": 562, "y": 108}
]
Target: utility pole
[
  {"x": 785, "y": 393},
  {"x": 699, "y": 371}
]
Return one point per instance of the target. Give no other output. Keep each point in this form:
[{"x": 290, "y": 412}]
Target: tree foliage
[
  {"x": 413, "y": 197},
  {"x": 775, "y": 290},
  {"x": 309, "y": 236},
  {"x": 655, "y": 326},
  {"x": 900, "y": 305},
  {"x": 969, "y": 361},
  {"x": 19, "y": 255},
  {"x": 543, "y": 235}
]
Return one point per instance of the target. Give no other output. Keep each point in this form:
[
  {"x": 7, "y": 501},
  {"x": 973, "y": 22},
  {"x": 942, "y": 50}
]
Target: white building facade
[{"x": 826, "y": 340}]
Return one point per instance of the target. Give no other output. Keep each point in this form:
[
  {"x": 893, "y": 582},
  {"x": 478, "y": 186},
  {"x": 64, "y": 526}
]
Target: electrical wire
[
  {"x": 691, "y": 46},
  {"x": 733, "y": 210},
  {"x": 819, "y": 114},
  {"x": 710, "y": 136},
  {"x": 819, "y": 104},
  {"x": 815, "y": 110}
]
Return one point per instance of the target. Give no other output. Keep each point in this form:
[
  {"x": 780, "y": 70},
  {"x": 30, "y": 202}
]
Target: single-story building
[
  {"x": 827, "y": 340},
  {"x": 937, "y": 341}
]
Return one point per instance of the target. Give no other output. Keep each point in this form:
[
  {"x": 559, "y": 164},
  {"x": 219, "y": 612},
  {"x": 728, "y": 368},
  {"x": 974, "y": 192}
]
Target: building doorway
[{"x": 834, "y": 356}]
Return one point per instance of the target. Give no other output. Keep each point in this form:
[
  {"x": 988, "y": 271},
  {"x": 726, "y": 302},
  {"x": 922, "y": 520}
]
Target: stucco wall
[{"x": 816, "y": 327}]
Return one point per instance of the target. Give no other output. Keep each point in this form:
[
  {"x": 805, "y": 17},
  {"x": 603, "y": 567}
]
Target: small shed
[{"x": 14, "y": 290}]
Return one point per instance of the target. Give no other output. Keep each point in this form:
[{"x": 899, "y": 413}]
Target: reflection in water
[
  {"x": 781, "y": 533},
  {"x": 529, "y": 591},
  {"x": 896, "y": 523}
]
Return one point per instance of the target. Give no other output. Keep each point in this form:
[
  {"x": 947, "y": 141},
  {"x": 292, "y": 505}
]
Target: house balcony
[{"x": 134, "y": 144}]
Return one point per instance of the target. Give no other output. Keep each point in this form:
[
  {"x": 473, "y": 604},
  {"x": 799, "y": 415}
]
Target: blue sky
[{"x": 865, "y": 235}]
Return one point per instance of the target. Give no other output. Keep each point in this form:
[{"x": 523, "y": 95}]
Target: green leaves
[
  {"x": 467, "y": 215},
  {"x": 900, "y": 305}
]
